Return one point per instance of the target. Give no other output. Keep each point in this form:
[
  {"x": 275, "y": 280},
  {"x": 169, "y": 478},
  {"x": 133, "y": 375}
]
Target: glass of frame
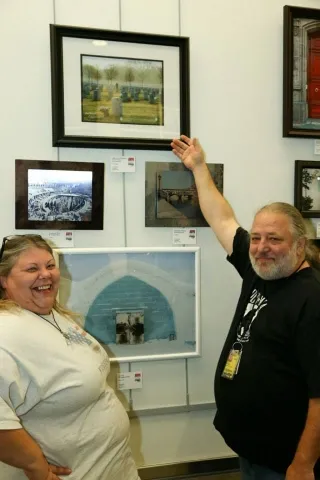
[
  {"x": 307, "y": 188},
  {"x": 59, "y": 195},
  {"x": 140, "y": 303},
  {"x": 118, "y": 89},
  {"x": 171, "y": 197},
  {"x": 301, "y": 71}
]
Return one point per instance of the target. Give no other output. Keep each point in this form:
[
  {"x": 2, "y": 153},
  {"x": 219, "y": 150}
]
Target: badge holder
[{"x": 232, "y": 364}]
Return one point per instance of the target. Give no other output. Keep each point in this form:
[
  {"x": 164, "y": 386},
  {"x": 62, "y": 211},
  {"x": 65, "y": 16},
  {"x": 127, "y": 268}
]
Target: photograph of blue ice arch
[{"x": 119, "y": 290}]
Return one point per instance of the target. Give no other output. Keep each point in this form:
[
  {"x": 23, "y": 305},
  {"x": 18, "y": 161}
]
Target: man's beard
[{"x": 280, "y": 267}]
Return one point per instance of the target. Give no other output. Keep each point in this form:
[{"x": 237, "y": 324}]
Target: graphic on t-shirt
[
  {"x": 256, "y": 303},
  {"x": 78, "y": 336}
]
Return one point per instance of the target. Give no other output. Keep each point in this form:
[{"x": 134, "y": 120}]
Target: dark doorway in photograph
[{"x": 130, "y": 327}]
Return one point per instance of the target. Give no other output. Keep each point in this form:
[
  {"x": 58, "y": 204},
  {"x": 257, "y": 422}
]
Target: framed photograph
[
  {"x": 301, "y": 72},
  {"x": 172, "y": 197},
  {"x": 139, "y": 303},
  {"x": 59, "y": 195},
  {"x": 113, "y": 89},
  {"x": 307, "y": 188},
  {"x": 129, "y": 327}
]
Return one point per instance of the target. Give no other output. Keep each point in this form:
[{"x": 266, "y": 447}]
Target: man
[{"x": 267, "y": 383}]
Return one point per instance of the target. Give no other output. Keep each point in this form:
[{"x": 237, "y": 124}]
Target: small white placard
[
  {"x": 317, "y": 147},
  {"x": 60, "y": 238},
  {"x": 123, "y": 164},
  {"x": 129, "y": 380},
  {"x": 184, "y": 236},
  {"x": 318, "y": 230}
]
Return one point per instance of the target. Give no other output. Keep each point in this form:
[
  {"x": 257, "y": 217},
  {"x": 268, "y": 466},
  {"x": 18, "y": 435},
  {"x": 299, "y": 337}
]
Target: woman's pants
[{"x": 252, "y": 471}]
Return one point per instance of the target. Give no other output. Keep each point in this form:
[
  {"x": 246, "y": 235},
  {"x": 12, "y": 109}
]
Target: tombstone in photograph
[
  {"x": 110, "y": 92},
  {"x": 96, "y": 95},
  {"x": 124, "y": 96},
  {"x": 152, "y": 99},
  {"x": 116, "y": 105}
]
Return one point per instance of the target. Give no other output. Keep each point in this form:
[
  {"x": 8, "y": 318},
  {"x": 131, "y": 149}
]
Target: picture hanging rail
[
  {"x": 59, "y": 195},
  {"x": 140, "y": 303},
  {"x": 301, "y": 72},
  {"x": 114, "y": 89}
]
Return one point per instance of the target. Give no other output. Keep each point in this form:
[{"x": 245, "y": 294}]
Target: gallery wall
[{"x": 236, "y": 111}]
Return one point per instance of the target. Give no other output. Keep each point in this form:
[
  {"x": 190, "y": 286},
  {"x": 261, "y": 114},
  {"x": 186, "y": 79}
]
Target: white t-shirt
[{"x": 58, "y": 393}]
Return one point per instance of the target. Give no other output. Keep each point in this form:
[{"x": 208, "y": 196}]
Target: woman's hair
[
  {"x": 13, "y": 247},
  {"x": 300, "y": 229}
]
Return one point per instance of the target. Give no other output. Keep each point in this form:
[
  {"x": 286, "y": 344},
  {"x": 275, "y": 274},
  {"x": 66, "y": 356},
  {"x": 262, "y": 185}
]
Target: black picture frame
[
  {"x": 106, "y": 124},
  {"x": 306, "y": 185},
  {"x": 92, "y": 207},
  {"x": 301, "y": 84}
]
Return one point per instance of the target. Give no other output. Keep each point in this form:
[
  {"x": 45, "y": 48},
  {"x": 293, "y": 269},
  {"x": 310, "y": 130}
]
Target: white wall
[{"x": 236, "y": 110}]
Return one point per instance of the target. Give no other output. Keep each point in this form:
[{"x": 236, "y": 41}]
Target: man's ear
[
  {"x": 3, "y": 282},
  {"x": 301, "y": 245}
]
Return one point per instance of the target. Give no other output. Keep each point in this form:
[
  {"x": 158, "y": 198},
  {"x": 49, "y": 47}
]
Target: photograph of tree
[{"x": 122, "y": 90}]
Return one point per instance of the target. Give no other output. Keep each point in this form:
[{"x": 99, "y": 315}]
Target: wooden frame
[
  {"x": 301, "y": 84},
  {"x": 114, "y": 89},
  {"x": 59, "y": 195},
  {"x": 307, "y": 188},
  {"x": 162, "y": 284}
]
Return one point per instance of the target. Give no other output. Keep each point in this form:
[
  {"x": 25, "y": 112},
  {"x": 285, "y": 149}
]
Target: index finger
[
  {"x": 178, "y": 143},
  {"x": 186, "y": 139},
  {"x": 60, "y": 470}
]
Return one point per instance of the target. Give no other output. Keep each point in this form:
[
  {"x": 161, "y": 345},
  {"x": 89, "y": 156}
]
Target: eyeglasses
[{"x": 10, "y": 237}]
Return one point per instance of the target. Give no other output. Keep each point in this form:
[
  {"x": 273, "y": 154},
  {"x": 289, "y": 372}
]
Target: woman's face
[{"x": 33, "y": 281}]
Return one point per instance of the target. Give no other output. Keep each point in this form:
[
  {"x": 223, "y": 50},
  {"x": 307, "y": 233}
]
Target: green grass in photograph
[{"x": 138, "y": 113}]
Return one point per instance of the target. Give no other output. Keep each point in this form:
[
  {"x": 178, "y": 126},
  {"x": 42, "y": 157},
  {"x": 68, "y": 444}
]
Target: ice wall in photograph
[
  {"x": 130, "y": 293},
  {"x": 160, "y": 283}
]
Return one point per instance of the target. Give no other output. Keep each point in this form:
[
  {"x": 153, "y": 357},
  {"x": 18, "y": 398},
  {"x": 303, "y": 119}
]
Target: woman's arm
[{"x": 18, "y": 449}]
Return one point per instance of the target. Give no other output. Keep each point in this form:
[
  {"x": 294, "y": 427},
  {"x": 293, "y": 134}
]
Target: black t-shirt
[{"x": 262, "y": 411}]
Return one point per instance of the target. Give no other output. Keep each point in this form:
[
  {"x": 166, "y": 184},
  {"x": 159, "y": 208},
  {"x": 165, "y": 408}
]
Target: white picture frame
[{"x": 161, "y": 282}]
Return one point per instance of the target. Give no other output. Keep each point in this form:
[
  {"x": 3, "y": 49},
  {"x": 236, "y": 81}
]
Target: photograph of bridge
[
  {"x": 171, "y": 195},
  {"x": 177, "y": 195}
]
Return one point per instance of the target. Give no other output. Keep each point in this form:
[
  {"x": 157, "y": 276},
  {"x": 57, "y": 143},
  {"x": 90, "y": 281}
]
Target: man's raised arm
[{"x": 214, "y": 206}]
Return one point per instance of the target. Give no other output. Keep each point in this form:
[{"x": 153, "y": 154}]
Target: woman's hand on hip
[{"x": 51, "y": 472}]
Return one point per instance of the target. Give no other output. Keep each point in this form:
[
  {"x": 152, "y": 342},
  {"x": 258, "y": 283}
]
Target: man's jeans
[{"x": 251, "y": 471}]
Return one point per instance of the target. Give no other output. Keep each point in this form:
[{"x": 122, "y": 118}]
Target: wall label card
[
  {"x": 61, "y": 238},
  {"x": 317, "y": 147},
  {"x": 129, "y": 380},
  {"x": 184, "y": 236},
  {"x": 123, "y": 164}
]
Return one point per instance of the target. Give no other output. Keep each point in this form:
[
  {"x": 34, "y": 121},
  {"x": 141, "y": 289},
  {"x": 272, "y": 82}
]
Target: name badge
[{"x": 232, "y": 364}]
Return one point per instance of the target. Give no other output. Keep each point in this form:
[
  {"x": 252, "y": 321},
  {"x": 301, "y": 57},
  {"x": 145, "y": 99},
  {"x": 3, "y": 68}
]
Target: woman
[{"x": 56, "y": 408}]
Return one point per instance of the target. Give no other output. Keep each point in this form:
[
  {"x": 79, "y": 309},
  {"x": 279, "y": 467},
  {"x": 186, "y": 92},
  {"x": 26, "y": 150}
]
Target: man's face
[{"x": 273, "y": 252}]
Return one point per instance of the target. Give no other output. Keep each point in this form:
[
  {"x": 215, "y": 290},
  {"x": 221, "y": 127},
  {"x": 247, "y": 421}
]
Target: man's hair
[
  {"x": 13, "y": 247},
  {"x": 299, "y": 228}
]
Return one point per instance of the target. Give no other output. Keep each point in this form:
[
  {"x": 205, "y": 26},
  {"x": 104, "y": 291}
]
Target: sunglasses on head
[{"x": 10, "y": 237}]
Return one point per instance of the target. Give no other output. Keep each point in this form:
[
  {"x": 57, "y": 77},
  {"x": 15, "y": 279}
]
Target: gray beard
[{"x": 281, "y": 268}]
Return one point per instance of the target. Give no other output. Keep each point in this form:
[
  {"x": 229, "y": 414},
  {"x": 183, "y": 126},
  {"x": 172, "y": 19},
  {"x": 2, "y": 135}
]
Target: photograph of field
[{"x": 122, "y": 90}]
